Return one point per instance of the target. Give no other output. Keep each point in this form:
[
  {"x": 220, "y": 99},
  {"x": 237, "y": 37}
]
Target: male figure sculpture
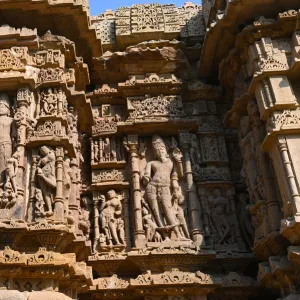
[
  {"x": 7, "y": 133},
  {"x": 46, "y": 177},
  {"x": 158, "y": 187},
  {"x": 12, "y": 164}
]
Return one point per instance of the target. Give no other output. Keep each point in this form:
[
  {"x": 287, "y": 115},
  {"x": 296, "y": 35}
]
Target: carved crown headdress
[
  {"x": 5, "y": 100},
  {"x": 157, "y": 142}
]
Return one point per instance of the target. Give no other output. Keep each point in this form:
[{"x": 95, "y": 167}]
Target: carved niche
[{"x": 163, "y": 191}]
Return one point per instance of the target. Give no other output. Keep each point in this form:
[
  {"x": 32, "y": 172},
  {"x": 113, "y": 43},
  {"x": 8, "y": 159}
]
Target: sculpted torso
[
  {"x": 161, "y": 171},
  {"x": 5, "y": 129},
  {"x": 110, "y": 206}
]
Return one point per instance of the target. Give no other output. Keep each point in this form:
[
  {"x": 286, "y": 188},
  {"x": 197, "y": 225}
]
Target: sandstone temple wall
[{"x": 150, "y": 153}]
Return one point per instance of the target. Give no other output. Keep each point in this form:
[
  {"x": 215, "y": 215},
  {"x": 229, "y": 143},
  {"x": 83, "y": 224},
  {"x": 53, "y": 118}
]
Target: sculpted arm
[
  {"x": 147, "y": 175},
  {"x": 177, "y": 155},
  {"x": 14, "y": 132}
]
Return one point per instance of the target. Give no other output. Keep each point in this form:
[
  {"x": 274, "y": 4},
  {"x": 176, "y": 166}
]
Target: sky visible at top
[{"x": 99, "y": 6}]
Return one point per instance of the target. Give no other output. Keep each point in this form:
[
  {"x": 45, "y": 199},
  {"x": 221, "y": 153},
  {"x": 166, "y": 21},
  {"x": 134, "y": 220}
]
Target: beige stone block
[
  {"x": 274, "y": 93},
  {"x": 282, "y": 90},
  {"x": 46, "y": 295},
  {"x": 12, "y": 295}
]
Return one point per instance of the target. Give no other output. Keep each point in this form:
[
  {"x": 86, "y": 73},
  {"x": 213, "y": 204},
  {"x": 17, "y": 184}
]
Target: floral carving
[
  {"x": 107, "y": 175},
  {"x": 161, "y": 106}
]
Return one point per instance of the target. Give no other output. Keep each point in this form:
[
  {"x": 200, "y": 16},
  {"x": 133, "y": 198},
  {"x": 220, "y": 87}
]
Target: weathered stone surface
[
  {"x": 12, "y": 295},
  {"x": 48, "y": 296},
  {"x": 150, "y": 152}
]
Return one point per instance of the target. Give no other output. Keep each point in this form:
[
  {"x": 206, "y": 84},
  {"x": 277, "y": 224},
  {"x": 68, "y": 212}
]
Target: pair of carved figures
[
  {"x": 163, "y": 202},
  {"x": 9, "y": 161},
  {"x": 111, "y": 220}
]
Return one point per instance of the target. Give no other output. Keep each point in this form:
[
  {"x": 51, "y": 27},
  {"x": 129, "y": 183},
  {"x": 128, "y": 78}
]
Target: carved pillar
[
  {"x": 59, "y": 201},
  {"x": 139, "y": 233},
  {"x": 96, "y": 219},
  {"x": 295, "y": 205},
  {"x": 73, "y": 201},
  {"x": 205, "y": 214},
  {"x": 23, "y": 99},
  {"x": 101, "y": 158},
  {"x": 92, "y": 151},
  {"x": 232, "y": 209},
  {"x": 272, "y": 200},
  {"x": 31, "y": 204},
  {"x": 60, "y": 102},
  {"x": 193, "y": 207},
  {"x": 125, "y": 195}
]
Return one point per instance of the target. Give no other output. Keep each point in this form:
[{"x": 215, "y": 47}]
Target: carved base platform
[
  {"x": 53, "y": 237},
  {"x": 163, "y": 259},
  {"x": 11, "y": 232},
  {"x": 81, "y": 247},
  {"x": 106, "y": 263}
]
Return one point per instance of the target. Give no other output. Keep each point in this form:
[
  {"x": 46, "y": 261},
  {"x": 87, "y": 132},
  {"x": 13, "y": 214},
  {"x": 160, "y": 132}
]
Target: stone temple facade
[{"x": 150, "y": 153}]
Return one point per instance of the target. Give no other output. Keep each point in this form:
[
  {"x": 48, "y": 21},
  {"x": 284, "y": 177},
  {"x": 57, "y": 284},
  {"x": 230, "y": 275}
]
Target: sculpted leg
[
  {"x": 152, "y": 198},
  {"x": 48, "y": 204},
  {"x": 113, "y": 231},
  {"x": 169, "y": 214}
]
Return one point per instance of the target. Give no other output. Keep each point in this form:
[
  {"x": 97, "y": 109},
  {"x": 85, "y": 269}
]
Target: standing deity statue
[
  {"x": 106, "y": 149},
  {"x": 194, "y": 150},
  {"x": 46, "y": 177},
  {"x": 161, "y": 177},
  {"x": 113, "y": 149},
  {"x": 7, "y": 134},
  {"x": 72, "y": 118},
  {"x": 68, "y": 179},
  {"x": 218, "y": 216},
  {"x": 244, "y": 218},
  {"x": 12, "y": 169},
  {"x": 111, "y": 219},
  {"x": 84, "y": 216}
]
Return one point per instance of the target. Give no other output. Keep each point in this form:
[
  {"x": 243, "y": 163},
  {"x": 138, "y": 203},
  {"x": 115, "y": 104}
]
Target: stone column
[
  {"x": 23, "y": 99},
  {"x": 96, "y": 220},
  {"x": 278, "y": 108},
  {"x": 125, "y": 195},
  {"x": 139, "y": 233},
  {"x": 73, "y": 201},
  {"x": 60, "y": 102},
  {"x": 92, "y": 150},
  {"x": 193, "y": 205},
  {"x": 290, "y": 175},
  {"x": 59, "y": 201},
  {"x": 31, "y": 206}
]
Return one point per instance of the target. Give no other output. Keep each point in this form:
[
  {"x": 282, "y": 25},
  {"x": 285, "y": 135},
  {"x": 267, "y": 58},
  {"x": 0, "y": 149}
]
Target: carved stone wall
[{"x": 150, "y": 152}]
